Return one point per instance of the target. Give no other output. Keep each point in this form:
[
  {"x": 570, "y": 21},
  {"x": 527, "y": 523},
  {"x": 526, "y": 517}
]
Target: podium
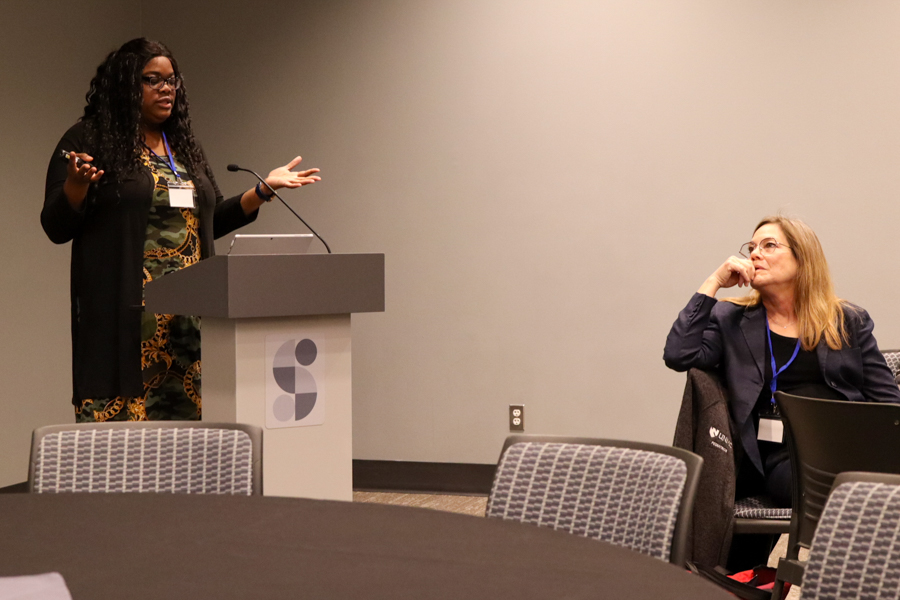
[{"x": 275, "y": 351}]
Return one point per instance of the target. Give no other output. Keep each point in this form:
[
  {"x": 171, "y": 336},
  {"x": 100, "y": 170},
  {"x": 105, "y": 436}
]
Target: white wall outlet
[{"x": 517, "y": 417}]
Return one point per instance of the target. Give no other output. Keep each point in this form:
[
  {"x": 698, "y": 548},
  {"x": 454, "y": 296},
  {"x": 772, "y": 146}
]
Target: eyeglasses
[
  {"x": 156, "y": 82},
  {"x": 766, "y": 247}
]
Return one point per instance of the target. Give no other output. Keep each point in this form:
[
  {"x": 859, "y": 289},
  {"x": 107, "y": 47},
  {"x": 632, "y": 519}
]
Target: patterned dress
[{"x": 170, "y": 344}]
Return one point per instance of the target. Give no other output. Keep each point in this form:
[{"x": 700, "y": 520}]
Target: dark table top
[{"x": 178, "y": 546}]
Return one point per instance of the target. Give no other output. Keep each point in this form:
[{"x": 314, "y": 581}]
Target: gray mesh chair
[
  {"x": 630, "y": 494},
  {"x": 760, "y": 508},
  {"x": 759, "y": 515},
  {"x": 152, "y": 456},
  {"x": 855, "y": 552},
  {"x": 893, "y": 361},
  {"x": 825, "y": 438}
]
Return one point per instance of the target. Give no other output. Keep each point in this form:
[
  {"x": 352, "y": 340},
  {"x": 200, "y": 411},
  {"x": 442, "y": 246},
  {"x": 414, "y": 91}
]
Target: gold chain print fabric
[{"x": 170, "y": 344}]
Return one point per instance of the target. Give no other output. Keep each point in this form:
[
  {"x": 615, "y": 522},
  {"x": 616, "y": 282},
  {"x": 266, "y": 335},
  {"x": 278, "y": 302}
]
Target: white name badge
[
  {"x": 181, "y": 195},
  {"x": 770, "y": 430}
]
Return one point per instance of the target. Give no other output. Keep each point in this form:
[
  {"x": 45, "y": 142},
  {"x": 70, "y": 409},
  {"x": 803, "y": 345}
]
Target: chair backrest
[
  {"x": 893, "y": 361},
  {"x": 827, "y": 437},
  {"x": 149, "y": 456},
  {"x": 856, "y": 549},
  {"x": 631, "y": 494}
]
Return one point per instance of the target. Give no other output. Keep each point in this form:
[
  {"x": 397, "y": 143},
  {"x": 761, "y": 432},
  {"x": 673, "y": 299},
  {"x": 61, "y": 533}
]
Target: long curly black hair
[{"x": 112, "y": 116}]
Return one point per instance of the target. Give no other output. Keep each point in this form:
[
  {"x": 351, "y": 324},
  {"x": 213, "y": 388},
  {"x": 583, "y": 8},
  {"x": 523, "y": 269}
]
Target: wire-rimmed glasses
[{"x": 766, "y": 247}]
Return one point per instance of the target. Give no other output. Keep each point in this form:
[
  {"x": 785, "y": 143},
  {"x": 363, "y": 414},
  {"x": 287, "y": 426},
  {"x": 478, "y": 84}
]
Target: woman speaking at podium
[{"x": 130, "y": 187}]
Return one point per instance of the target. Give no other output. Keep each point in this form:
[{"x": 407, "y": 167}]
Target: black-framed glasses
[
  {"x": 156, "y": 82},
  {"x": 766, "y": 247}
]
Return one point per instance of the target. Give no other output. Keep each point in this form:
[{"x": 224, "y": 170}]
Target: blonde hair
[{"x": 819, "y": 311}]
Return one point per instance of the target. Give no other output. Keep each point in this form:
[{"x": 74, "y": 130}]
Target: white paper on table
[{"x": 46, "y": 586}]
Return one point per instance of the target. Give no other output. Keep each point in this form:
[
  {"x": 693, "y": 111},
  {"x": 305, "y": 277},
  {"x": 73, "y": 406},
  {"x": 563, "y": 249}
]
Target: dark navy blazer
[{"x": 710, "y": 334}]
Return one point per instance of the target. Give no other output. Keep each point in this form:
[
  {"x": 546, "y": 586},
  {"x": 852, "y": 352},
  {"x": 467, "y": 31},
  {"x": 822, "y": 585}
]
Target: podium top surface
[{"x": 248, "y": 286}]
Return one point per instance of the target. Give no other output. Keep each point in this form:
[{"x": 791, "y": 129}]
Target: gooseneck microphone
[{"x": 233, "y": 167}]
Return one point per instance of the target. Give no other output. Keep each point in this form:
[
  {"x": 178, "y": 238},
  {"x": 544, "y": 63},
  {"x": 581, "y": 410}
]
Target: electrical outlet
[{"x": 517, "y": 417}]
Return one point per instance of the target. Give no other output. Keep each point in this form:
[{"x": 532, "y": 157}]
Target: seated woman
[{"x": 791, "y": 334}]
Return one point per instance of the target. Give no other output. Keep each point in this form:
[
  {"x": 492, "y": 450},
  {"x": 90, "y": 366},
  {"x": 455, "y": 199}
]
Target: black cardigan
[{"x": 107, "y": 266}]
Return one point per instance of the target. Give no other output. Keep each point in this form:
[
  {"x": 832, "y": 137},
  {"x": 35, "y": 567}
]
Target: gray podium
[{"x": 276, "y": 353}]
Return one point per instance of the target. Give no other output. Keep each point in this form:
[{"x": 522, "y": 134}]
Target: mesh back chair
[
  {"x": 893, "y": 361},
  {"x": 856, "y": 549},
  {"x": 759, "y": 515},
  {"x": 825, "y": 438},
  {"x": 157, "y": 456},
  {"x": 627, "y": 493},
  {"x": 773, "y": 519}
]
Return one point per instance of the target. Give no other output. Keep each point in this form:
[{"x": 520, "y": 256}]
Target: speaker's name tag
[{"x": 181, "y": 194}]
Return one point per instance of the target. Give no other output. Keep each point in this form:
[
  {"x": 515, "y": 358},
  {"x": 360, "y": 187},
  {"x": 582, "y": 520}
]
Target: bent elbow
[
  {"x": 59, "y": 239},
  {"x": 676, "y": 365},
  {"x": 682, "y": 359},
  {"x": 675, "y": 361},
  {"x": 676, "y": 353}
]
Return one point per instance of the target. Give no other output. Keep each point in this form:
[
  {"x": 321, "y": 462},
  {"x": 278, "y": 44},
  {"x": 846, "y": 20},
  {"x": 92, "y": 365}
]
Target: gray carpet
[{"x": 467, "y": 505}]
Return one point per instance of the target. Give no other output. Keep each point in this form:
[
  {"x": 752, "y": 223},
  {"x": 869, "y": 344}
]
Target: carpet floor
[{"x": 467, "y": 505}]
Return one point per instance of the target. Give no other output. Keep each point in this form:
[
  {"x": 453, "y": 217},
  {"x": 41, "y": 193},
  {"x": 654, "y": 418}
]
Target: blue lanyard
[
  {"x": 775, "y": 371},
  {"x": 168, "y": 157}
]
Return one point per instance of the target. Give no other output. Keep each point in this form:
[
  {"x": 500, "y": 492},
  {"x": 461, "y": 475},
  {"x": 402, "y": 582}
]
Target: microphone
[{"x": 233, "y": 168}]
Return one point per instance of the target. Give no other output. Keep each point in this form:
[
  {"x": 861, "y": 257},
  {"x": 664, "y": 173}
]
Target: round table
[{"x": 188, "y": 546}]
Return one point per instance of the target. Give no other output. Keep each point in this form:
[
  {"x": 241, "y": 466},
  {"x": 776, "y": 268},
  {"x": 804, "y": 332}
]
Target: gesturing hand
[
  {"x": 79, "y": 178},
  {"x": 284, "y": 177},
  {"x": 82, "y": 174}
]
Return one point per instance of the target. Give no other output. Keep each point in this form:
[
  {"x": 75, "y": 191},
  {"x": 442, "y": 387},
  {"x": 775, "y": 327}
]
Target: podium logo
[{"x": 292, "y": 378}]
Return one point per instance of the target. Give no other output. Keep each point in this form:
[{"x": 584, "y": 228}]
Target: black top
[
  {"x": 107, "y": 261},
  {"x": 802, "y": 378}
]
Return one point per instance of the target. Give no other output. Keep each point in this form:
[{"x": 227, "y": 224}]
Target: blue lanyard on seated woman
[{"x": 775, "y": 371}]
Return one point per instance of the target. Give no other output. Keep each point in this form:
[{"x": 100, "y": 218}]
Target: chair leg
[
  {"x": 778, "y": 589},
  {"x": 789, "y": 571}
]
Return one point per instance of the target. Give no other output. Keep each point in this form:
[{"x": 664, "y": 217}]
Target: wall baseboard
[
  {"x": 16, "y": 488},
  {"x": 403, "y": 476}
]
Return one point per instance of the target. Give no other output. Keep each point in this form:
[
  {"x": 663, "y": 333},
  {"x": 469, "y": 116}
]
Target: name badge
[
  {"x": 181, "y": 195},
  {"x": 770, "y": 430}
]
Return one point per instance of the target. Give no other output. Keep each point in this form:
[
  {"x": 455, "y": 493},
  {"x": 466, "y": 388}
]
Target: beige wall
[{"x": 549, "y": 181}]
